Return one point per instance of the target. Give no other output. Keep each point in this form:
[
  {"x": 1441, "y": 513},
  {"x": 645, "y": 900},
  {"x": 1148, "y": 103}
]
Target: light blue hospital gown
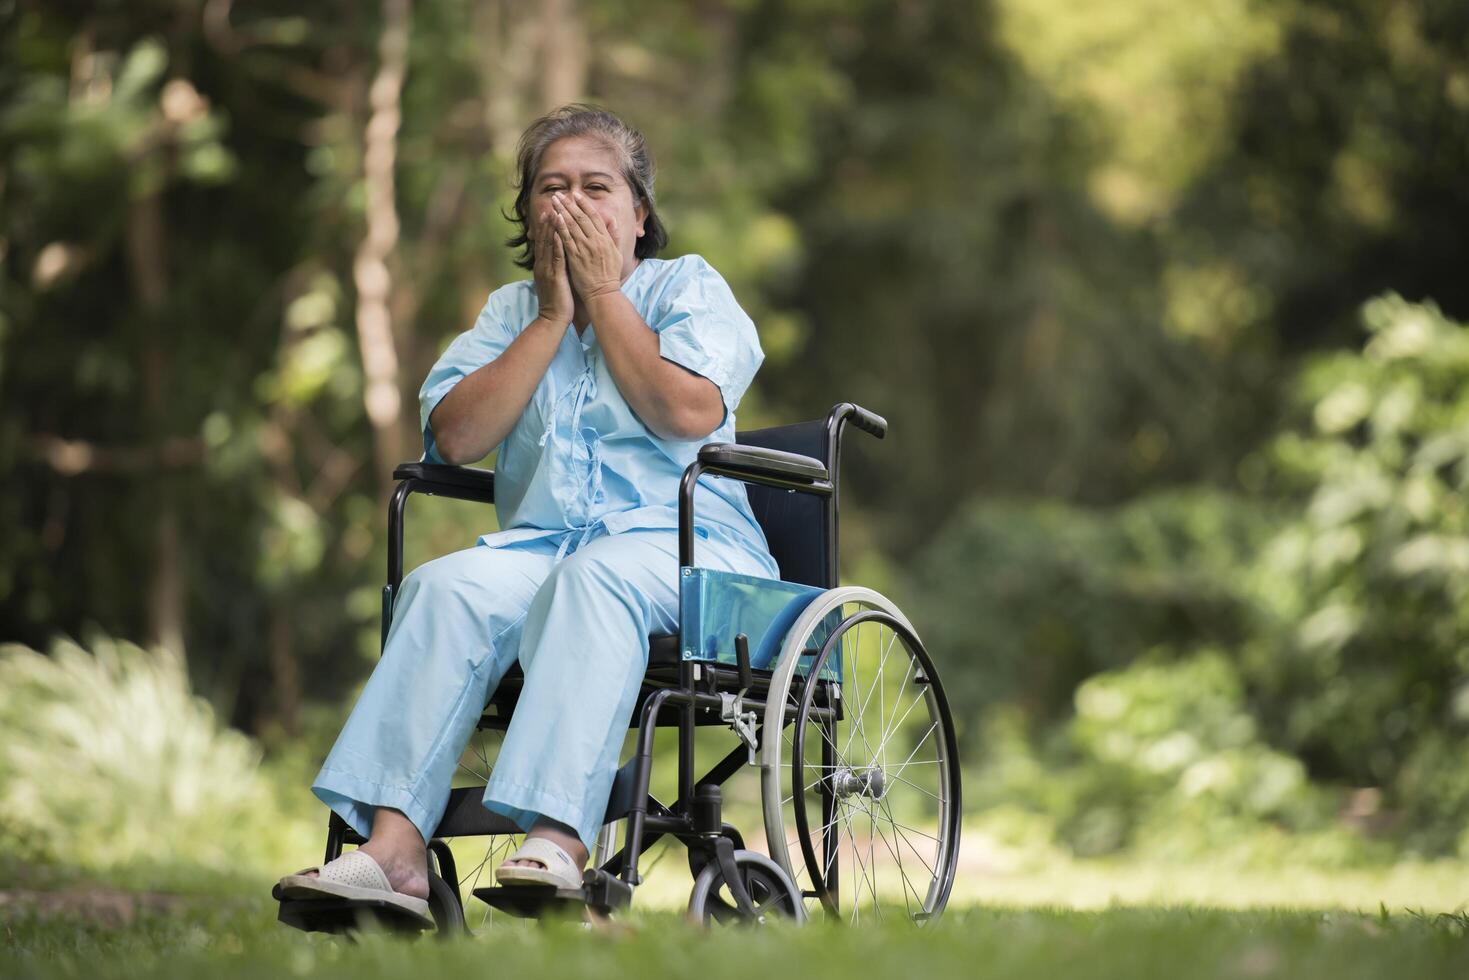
[{"x": 584, "y": 570}]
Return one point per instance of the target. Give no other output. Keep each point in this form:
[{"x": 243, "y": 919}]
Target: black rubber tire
[
  {"x": 446, "y": 908},
  {"x": 770, "y": 889}
]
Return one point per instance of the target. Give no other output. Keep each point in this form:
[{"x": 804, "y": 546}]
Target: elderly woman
[{"x": 597, "y": 380}]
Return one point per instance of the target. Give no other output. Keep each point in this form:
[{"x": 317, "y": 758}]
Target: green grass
[
  {"x": 237, "y": 938},
  {"x": 64, "y": 928}
]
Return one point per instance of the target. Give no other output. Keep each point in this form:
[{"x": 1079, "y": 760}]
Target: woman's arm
[
  {"x": 671, "y": 400},
  {"x": 674, "y": 402},
  {"x": 479, "y": 412}
]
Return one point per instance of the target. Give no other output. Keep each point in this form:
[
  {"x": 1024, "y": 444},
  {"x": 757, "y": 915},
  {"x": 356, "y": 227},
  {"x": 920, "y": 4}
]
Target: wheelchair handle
[{"x": 869, "y": 422}]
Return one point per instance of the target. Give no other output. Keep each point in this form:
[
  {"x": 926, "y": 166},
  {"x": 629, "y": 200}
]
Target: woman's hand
[
  {"x": 553, "y": 284},
  {"x": 591, "y": 251}
]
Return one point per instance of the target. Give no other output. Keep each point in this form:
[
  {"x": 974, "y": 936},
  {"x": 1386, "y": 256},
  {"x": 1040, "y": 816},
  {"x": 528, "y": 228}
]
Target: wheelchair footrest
[
  {"x": 599, "y": 890},
  {"x": 339, "y": 915}
]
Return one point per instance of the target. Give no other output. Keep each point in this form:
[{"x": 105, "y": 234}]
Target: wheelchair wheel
[
  {"x": 769, "y": 888},
  {"x": 861, "y": 791},
  {"x": 446, "y": 907}
]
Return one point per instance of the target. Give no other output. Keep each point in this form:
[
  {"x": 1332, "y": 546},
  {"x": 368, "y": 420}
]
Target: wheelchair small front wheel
[
  {"x": 770, "y": 890},
  {"x": 445, "y": 906}
]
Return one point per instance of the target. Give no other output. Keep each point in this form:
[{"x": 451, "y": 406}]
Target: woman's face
[{"x": 586, "y": 165}]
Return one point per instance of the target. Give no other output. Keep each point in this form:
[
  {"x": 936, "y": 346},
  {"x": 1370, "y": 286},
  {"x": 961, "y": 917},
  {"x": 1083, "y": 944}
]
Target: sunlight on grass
[{"x": 1435, "y": 887}]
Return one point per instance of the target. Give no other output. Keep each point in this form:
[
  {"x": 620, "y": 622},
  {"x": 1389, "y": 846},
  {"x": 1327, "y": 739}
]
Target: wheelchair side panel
[{"x": 715, "y": 606}]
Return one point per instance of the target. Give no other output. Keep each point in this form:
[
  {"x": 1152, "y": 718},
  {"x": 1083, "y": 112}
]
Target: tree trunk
[
  {"x": 564, "y": 53},
  {"x": 507, "y": 36},
  {"x": 382, "y": 399},
  {"x": 285, "y": 672},
  {"x": 148, "y": 271}
]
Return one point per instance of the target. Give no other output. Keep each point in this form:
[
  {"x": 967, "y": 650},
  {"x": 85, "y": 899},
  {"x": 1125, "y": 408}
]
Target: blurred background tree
[{"x": 1104, "y": 267}]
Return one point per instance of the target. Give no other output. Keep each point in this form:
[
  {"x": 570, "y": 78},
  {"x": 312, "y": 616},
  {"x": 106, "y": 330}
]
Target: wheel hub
[{"x": 870, "y": 781}]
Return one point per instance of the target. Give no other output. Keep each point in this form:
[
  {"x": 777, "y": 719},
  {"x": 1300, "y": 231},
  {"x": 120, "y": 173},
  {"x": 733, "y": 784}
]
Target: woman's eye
[
  {"x": 552, "y": 188},
  {"x": 596, "y": 187}
]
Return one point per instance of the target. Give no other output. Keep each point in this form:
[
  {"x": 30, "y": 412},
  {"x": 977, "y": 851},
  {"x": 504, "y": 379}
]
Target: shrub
[
  {"x": 107, "y": 759},
  {"x": 1023, "y": 602}
]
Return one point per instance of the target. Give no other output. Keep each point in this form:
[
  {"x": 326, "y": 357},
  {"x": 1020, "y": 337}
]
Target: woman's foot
[
  {"x": 560, "y": 835},
  {"x": 399, "y": 850},
  {"x": 407, "y": 870}
]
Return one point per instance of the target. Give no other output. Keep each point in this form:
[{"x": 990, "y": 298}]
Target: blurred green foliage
[
  {"x": 1296, "y": 643},
  {"x": 107, "y": 749},
  {"x": 1100, "y": 265},
  {"x": 1364, "y": 672},
  {"x": 1030, "y": 599}
]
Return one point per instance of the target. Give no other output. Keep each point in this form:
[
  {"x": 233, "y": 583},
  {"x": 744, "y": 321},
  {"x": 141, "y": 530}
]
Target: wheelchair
[{"x": 825, "y": 688}]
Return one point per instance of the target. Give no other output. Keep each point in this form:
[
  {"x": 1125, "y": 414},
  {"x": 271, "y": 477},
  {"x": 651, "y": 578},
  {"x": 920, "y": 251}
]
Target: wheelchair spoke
[
  {"x": 859, "y": 728},
  {"x": 896, "y": 726},
  {"x": 921, "y": 739},
  {"x": 869, "y": 870},
  {"x": 893, "y": 775},
  {"x": 838, "y": 818},
  {"x": 851, "y": 844},
  {"x": 820, "y": 831},
  {"x": 850, "y": 663},
  {"x": 914, "y": 830},
  {"x": 857, "y": 866},
  {"x": 872, "y": 862},
  {"x": 855, "y": 727},
  {"x": 877, "y": 688},
  {"x": 898, "y": 833},
  {"x": 916, "y": 852},
  {"x": 814, "y": 784},
  {"x": 889, "y": 726},
  {"x": 841, "y": 762},
  {"x": 902, "y": 873},
  {"x": 474, "y": 872},
  {"x": 881, "y": 680},
  {"x": 882, "y": 699}
]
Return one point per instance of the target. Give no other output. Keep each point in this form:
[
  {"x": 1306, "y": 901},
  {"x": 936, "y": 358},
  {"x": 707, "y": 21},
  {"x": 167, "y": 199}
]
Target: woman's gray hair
[{"x": 633, "y": 158}]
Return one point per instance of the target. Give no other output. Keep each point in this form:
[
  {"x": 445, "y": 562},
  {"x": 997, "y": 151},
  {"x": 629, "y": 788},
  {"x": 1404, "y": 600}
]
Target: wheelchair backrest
[{"x": 798, "y": 526}]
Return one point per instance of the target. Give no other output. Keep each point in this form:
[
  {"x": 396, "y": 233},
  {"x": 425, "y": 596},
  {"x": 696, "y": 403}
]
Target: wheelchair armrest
[
  {"x": 462, "y": 482},
  {"x": 750, "y": 464},
  {"x": 757, "y": 461}
]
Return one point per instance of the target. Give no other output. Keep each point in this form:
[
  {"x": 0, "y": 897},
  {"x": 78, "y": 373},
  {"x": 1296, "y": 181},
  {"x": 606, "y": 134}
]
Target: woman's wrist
[{"x": 597, "y": 303}]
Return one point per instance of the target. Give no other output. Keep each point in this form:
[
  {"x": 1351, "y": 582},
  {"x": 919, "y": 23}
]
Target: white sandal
[
  {"x": 354, "y": 875},
  {"x": 560, "y": 870}
]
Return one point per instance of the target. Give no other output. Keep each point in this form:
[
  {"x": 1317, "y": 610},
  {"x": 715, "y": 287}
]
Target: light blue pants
[{"x": 579, "y": 627}]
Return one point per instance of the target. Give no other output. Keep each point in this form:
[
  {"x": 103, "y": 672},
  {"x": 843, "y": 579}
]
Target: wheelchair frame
[{"x": 691, "y": 691}]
